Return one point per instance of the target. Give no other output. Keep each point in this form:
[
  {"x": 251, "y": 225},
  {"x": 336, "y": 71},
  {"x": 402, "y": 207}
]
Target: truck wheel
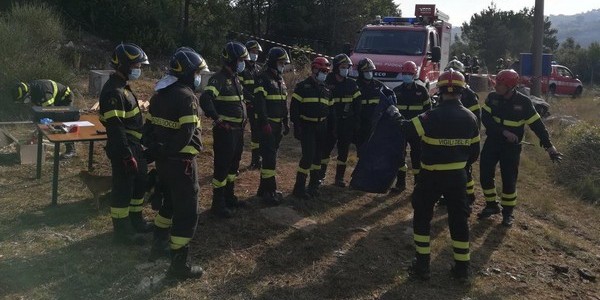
[{"x": 578, "y": 92}]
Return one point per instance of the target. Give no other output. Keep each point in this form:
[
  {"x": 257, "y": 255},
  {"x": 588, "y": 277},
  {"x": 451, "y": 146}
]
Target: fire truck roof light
[{"x": 398, "y": 20}]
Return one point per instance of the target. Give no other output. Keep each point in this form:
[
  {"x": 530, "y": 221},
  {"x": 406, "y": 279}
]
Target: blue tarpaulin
[{"x": 381, "y": 155}]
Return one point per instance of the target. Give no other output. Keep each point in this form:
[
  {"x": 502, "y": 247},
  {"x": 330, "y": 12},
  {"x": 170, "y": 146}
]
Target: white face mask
[
  {"x": 368, "y": 75},
  {"x": 241, "y": 66},
  {"x": 197, "y": 81},
  {"x": 321, "y": 76},
  {"x": 280, "y": 69},
  {"x": 134, "y": 74},
  {"x": 344, "y": 72},
  {"x": 253, "y": 56}
]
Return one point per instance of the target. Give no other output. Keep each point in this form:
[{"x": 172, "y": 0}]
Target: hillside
[{"x": 576, "y": 26}]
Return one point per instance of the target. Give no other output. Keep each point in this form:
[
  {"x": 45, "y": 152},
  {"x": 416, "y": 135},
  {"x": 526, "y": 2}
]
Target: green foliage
[
  {"x": 582, "y": 61},
  {"x": 29, "y": 53},
  {"x": 495, "y": 33},
  {"x": 580, "y": 168}
]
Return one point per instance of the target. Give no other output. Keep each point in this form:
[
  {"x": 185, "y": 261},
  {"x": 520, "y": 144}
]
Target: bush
[
  {"x": 580, "y": 169},
  {"x": 30, "y": 43}
]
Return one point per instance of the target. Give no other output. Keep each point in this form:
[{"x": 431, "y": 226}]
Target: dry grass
[{"x": 360, "y": 248}]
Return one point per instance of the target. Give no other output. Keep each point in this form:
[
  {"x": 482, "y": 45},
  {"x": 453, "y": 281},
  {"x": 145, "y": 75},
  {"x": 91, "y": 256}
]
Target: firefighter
[
  {"x": 475, "y": 65},
  {"x": 248, "y": 78},
  {"x": 120, "y": 114},
  {"x": 370, "y": 90},
  {"x": 449, "y": 136},
  {"x": 504, "y": 115},
  {"x": 172, "y": 135},
  {"x": 270, "y": 105},
  {"x": 346, "y": 98},
  {"x": 499, "y": 64},
  {"x": 470, "y": 100},
  {"x": 310, "y": 110},
  {"x": 46, "y": 92},
  {"x": 222, "y": 101},
  {"x": 413, "y": 99}
]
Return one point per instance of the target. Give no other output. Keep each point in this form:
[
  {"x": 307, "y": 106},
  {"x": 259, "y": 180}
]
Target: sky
[{"x": 461, "y": 10}]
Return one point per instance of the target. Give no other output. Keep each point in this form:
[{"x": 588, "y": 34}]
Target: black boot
[
  {"x": 269, "y": 193},
  {"x": 231, "y": 200},
  {"x": 124, "y": 234},
  {"x": 491, "y": 208},
  {"x": 180, "y": 268},
  {"x": 160, "y": 244},
  {"x": 300, "y": 186},
  {"x": 340, "y": 170},
  {"x": 460, "y": 270},
  {"x": 420, "y": 267},
  {"x": 323, "y": 172},
  {"x": 69, "y": 151},
  {"x": 314, "y": 184},
  {"x": 400, "y": 183},
  {"x": 507, "y": 216},
  {"x": 219, "y": 207},
  {"x": 139, "y": 224},
  {"x": 255, "y": 162}
]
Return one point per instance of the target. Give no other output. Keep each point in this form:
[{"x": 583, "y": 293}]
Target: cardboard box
[{"x": 28, "y": 153}]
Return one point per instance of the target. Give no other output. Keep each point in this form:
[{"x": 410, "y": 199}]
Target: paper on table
[{"x": 78, "y": 123}]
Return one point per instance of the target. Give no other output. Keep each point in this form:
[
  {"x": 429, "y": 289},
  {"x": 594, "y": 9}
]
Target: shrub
[
  {"x": 30, "y": 43},
  {"x": 580, "y": 168}
]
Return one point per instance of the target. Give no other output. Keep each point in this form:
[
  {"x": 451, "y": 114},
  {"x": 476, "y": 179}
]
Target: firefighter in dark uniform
[
  {"x": 413, "y": 99},
  {"x": 449, "y": 137},
  {"x": 172, "y": 135},
  {"x": 470, "y": 100},
  {"x": 310, "y": 111},
  {"x": 370, "y": 89},
  {"x": 120, "y": 114},
  {"x": 46, "y": 92},
  {"x": 248, "y": 78},
  {"x": 346, "y": 97},
  {"x": 270, "y": 105},
  {"x": 222, "y": 101},
  {"x": 499, "y": 64},
  {"x": 504, "y": 115}
]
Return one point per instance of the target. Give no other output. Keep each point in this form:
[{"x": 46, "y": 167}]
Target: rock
[
  {"x": 560, "y": 269},
  {"x": 563, "y": 120},
  {"x": 496, "y": 270},
  {"x": 586, "y": 274}
]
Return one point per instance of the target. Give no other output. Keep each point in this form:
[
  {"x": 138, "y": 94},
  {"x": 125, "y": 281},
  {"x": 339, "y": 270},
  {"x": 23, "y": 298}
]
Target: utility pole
[{"x": 538, "y": 39}]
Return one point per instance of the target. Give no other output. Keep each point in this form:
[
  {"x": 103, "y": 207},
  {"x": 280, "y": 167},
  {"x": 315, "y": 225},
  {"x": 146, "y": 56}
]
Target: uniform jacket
[
  {"x": 248, "y": 80},
  {"x": 470, "y": 100},
  {"x": 222, "y": 98},
  {"x": 270, "y": 98},
  {"x": 512, "y": 114},
  {"x": 311, "y": 101},
  {"x": 412, "y": 99},
  {"x": 45, "y": 92},
  {"x": 370, "y": 91},
  {"x": 345, "y": 95},
  {"x": 173, "y": 122},
  {"x": 120, "y": 114}
]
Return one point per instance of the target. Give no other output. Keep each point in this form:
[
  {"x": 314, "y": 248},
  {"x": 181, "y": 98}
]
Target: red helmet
[
  {"x": 409, "y": 67},
  {"x": 451, "y": 81},
  {"x": 508, "y": 77},
  {"x": 321, "y": 63}
]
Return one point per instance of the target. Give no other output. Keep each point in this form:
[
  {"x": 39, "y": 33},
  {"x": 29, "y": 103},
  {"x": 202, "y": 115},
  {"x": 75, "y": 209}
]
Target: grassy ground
[{"x": 359, "y": 249}]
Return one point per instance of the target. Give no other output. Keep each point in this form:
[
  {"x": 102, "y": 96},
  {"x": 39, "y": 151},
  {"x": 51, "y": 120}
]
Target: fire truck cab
[{"x": 391, "y": 41}]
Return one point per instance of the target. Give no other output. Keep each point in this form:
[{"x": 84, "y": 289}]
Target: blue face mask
[
  {"x": 197, "y": 81},
  {"x": 344, "y": 72},
  {"x": 321, "y": 76},
  {"x": 134, "y": 74},
  {"x": 368, "y": 75},
  {"x": 408, "y": 78},
  {"x": 241, "y": 66}
]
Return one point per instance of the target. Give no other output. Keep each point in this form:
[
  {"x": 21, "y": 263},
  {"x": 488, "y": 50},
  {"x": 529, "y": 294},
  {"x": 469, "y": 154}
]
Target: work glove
[
  {"x": 555, "y": 156},
  {"x": 511, "y": 137},
  {"x": 131, "y": 165},
  {"x": 220, "y": 124},
  {"x": 286, "y": 128},
  {"x": 266, "y": 129},
  {"x": 297, "y": 131}
]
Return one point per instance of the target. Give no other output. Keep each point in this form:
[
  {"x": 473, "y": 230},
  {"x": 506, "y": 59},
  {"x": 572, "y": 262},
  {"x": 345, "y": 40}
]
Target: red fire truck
[{"x": 391, "y": 41}]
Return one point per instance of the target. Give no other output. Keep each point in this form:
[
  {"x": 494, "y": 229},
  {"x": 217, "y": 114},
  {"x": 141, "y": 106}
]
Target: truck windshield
[{"x": 394, "y": 42}]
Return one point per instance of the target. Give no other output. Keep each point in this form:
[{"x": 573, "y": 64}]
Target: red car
[{"x": 560, "y": 82}]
